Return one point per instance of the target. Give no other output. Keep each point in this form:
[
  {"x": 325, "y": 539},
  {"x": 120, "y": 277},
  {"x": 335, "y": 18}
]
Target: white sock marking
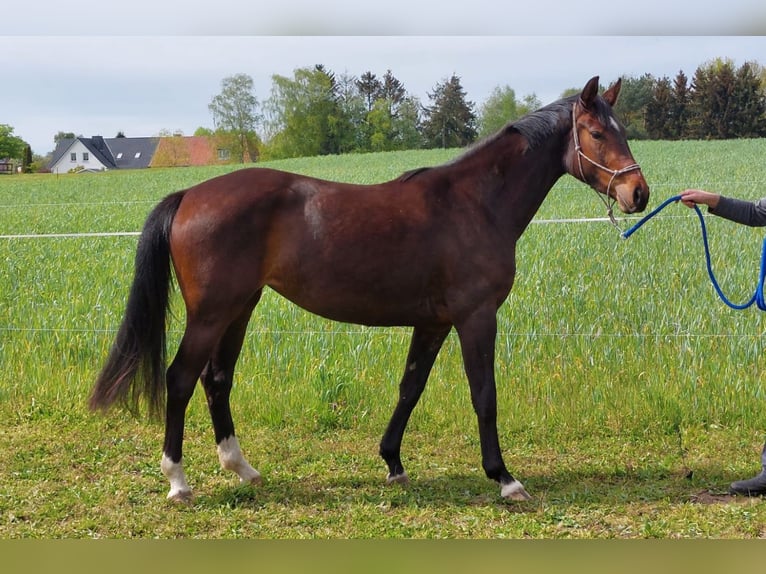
[
  {"x": 174, "y": 472},
  {"x": 515, "y": 491},
  {"x": 398, "y": 478},
  {"x": 230, "y": 457}
]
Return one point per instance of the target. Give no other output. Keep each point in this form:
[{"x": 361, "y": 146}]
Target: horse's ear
[
  {"x": 589, "y": 92},
  {"x": 611, "y": 94}
]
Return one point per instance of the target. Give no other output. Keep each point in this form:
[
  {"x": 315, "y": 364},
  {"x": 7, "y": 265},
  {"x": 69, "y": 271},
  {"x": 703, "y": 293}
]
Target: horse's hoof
[
  {"x": 181, "y": 497},
  {"x": 398, "y": 479},
  {"x": 514, "y": 491},
  {"x": 255, "y": 480}
]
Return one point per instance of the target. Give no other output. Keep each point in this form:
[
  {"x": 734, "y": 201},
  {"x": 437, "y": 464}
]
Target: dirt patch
[{"x": 711, "y": 497}]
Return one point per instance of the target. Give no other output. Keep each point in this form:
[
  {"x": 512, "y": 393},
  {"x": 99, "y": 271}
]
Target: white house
[{"x": 99, "y": 154}]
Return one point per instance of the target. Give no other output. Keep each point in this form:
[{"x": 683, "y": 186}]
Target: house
[
  {"x": 7, "y": 165},
  {"x": 98, "y": 153}
]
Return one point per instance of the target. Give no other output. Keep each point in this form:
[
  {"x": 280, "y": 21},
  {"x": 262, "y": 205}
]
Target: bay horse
[{"x": 433, "y": 249}]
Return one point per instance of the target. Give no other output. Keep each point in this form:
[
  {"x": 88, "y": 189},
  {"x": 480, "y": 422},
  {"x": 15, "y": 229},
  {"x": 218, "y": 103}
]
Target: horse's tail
[{"x": 138, "y": 358}]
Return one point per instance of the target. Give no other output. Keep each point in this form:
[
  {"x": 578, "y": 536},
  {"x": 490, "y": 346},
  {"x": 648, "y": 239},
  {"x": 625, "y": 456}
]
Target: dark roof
[
  {"x": 114, "y": 153},
  {"x": 98, "y": 148},
  {"x": 61, "y": 146},
  {"x": 132, "y": 153}
]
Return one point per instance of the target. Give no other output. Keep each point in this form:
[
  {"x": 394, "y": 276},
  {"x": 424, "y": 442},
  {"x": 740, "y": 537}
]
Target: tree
[
  {"x": 393, "y": 121},
  {"x": 679, "y": 115},
  {"x": 352, "y": 109},
  {"x": 63, "y": 136},
  {"x": 727, "y": 102},
  {"x": 530, "y": 103},
  {"x": 572, "y": 92},
  {"x": 502, "y": 107},
  {"x": 26, "y": 160},
  {"x": 305, "y": 116},
  {"x": 392, "y": 92},
  {"x": 635, "y": 94},
  {"x": 172, "y": 150},
  {"x": 499, "y": 109},
  {"x": 370, "y": 88},
  {"x": 749, "y": 120},
  {"x": 235, "y": 111},
  {"x": 712, "y": 101},
  {"x": 11, "y": 146},
  {"x": 388, "y": 121},
  {"x": 406, "y": 125},
  {"x": 659, "y": 110},
  {"x": 380, "y": 126},
  {"x": 450, "y": 120}
]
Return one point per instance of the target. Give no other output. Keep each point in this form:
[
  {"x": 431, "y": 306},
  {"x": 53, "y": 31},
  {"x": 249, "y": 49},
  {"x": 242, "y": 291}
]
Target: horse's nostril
[{"x": 638, "y": 196}]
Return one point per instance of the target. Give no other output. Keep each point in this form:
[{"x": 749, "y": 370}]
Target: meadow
[{"x": 629, "y": 395}]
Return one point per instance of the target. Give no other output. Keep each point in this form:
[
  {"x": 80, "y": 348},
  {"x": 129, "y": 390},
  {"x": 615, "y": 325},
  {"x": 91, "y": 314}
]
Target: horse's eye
[{"x": 596, "y": 135}]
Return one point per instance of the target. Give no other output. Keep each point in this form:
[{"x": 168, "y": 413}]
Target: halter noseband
[{"x": 608, "y": 200}]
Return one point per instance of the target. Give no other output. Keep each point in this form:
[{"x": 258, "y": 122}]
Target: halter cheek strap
[{"x": 608, "y": 200}]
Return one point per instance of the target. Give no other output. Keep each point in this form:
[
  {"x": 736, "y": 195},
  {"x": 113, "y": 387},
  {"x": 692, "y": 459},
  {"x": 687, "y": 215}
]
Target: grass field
[{"x": 629, "y": 396}]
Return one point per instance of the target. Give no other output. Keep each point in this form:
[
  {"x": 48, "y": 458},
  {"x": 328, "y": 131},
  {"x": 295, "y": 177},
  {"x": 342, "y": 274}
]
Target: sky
[{"x": 144, "y": 67}]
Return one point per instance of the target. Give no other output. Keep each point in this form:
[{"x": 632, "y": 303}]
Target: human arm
[{"x": 751, "y": 213}]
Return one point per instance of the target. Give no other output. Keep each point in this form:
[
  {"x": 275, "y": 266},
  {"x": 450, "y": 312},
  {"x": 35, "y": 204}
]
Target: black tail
[{"x": 138, "y": 358}]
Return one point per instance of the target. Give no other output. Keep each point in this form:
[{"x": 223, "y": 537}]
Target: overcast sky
[{"x": 142, "y": 74}]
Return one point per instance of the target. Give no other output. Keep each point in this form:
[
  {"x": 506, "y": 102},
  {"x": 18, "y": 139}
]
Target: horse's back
[{"x": 242, "y": 187}]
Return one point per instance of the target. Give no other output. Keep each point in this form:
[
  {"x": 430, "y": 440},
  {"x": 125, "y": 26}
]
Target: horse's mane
[
  {"x": 539, "y": 125},
  {"x": 535, "y": 127}
]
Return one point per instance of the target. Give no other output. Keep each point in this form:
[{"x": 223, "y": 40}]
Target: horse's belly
[{"x": 364, "y": 308}]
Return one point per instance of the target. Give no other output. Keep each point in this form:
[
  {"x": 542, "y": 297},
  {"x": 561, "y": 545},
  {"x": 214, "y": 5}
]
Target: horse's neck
[
  {"x": 542, "y": 170},
  {"x": 521, "y": 178}
]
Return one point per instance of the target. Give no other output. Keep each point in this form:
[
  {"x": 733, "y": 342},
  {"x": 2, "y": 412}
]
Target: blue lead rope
[{"x": 757, "y": 298}]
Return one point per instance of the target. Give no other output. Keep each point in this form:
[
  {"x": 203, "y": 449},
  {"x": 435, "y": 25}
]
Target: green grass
[{"x": 629, "y": 396}]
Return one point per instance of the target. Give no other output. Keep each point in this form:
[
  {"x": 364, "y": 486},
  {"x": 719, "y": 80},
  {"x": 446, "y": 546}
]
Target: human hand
[{"x": 692, "y": 197}]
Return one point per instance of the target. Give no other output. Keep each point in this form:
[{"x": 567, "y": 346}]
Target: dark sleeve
[{"x": 752, "y": 213}]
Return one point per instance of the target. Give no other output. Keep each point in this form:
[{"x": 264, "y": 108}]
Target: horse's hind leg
[
  {"x": 196, "y": 347},
  {"x": 424, "y": 347},
  {"x": 217, "y": 380}
]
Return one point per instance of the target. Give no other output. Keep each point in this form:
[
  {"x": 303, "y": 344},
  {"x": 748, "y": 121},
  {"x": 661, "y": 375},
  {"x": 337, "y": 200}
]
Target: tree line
[
  {"x": 315, "y": 112},
  {"x": 720, "y": 101}
]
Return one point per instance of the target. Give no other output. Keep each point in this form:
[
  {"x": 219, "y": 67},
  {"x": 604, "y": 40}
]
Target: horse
[{"x": 432, "y": 250}]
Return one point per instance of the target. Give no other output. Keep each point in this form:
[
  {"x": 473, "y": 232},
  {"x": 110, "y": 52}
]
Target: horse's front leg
[
  {"x": 477, "y": 340},
  {"x": 424, "y": 347}
]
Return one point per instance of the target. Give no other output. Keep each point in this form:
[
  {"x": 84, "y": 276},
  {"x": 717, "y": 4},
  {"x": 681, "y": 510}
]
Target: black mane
[{"x": 538, "y": 126}]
